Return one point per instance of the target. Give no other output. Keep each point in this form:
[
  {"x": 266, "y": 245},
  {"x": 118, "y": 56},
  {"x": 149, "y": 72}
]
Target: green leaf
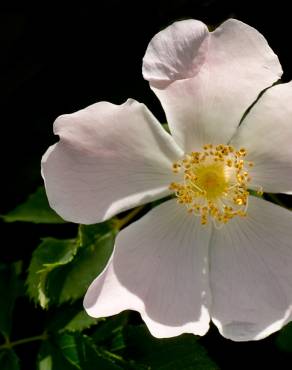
[
  {"x": 62, "y": 270},
  {"x": 284, "y": 338},
  {"x": 80, "y": 351},
  {"x": 90, "y": 234},
  {"x": 72, "y": 318},
  {"x": 69, "y": 348},
  {"x": 80, "y": 322},
  {"x": 35, "y": 209},
  {"x": 50, "y": 254},
  {"x": 183, "y": 352},
  {"x": 73, "y": 351},
  {"x": 110, "y": 332},
  {"x": 50, "y": 357},
  {"x": 71, "y": 281},
  {"x": 9, "y": 360},
  {"x": 8, "y": 293}
]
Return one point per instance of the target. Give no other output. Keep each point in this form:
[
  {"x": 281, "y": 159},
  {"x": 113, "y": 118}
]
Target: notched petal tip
[
  {"x": 205, "y": 80},
  {"x": 176, "y": 53},
  {"x": 251, "y": 36},
  {"x": 131, "y": 101}
]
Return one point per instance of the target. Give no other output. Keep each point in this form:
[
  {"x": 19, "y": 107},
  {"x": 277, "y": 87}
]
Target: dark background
[{"x": 56, "y": 61}]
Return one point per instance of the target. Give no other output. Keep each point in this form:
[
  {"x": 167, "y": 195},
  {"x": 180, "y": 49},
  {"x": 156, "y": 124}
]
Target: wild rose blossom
[{"x": 214, "y": 251}]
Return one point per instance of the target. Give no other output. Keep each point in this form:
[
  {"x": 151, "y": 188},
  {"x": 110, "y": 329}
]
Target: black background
[{"x": 57, "y": 60}]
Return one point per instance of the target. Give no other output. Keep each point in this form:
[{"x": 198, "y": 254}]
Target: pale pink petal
[
  {"x": 109, "y": 158},
  {"x": 176, "y": 53},
  {"x": 206, "y": 81},
  {"x": 251, "y": 272},
  {"x": 160, "y": 269},
  {"x": 266, "y": 133}
]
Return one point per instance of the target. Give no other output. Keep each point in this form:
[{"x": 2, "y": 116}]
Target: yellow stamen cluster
[{"x": 214, "y": 183}]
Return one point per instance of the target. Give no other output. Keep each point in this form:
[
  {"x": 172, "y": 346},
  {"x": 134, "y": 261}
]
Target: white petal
[
  {"x": 176, "y": 53},
  {"x": 160, "y": 269},
  {"x": 251, "y": 272},
  {"x": 206, "y": 81},
  {"x": 109, "y": 158},
  {"x": 266, "y": 133}
]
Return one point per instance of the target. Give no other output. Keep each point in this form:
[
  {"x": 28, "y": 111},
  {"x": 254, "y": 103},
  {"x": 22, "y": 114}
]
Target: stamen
[{"x": 214, "y": 184}]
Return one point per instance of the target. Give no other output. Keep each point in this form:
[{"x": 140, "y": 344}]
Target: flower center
[{"x": 214, "y": 183}]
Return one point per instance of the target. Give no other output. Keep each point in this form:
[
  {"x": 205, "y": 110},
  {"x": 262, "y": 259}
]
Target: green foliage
[
  {"x": 284, "y": 338},
  {"x": 71, "y": 318},
  {"x": 90, "y": 234},
  {"x": 81, "y": 352},
  {"x": 74, "y": 351},
  {"x": 111, "y": 332},
  {"x": 183, "y": 352},
  {"x": 62, "y": 270},
  {"x": 50, "y": 357},
  {"x": 9, "y": 360},
  {"x": 35, "y": 209},
  {"x": 72, "y": 281},
  {"x": 49, "y": 255},
  {"x": 80, "y": 322}
]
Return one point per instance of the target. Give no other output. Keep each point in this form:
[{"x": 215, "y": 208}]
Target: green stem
[
  {"x": 9, "y": 344},
  {"x": 124, "y": 221}
]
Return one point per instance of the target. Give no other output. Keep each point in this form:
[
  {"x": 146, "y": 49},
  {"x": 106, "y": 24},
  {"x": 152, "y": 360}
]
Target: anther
[{"x": 214, "y": 184}]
